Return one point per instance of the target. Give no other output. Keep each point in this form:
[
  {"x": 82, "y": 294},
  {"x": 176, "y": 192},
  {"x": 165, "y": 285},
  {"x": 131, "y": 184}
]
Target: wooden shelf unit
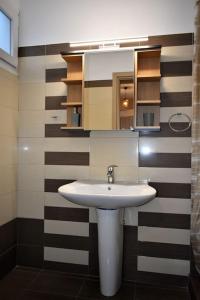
[
  {"x": 74, "y": 82},
  {"x": 147, "y": 86}
]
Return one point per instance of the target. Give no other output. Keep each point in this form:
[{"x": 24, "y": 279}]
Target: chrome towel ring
[{"x": 179, "y": 130}]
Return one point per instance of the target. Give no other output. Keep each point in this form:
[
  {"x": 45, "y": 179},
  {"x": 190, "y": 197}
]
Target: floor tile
[
  {"x": 154, "y": 293},
  {"x": 30, "y": 295},
  {"x": 91, "y": 290},
  {"x": 57, "y": 284}
]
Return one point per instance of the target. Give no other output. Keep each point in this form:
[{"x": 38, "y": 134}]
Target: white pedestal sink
[{"x": 109, "y": 199}]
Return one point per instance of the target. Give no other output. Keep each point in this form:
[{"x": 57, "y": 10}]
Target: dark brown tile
[
  {"x": 93, "y": 252},
  {"x": 170, "y": 40},
  {"x": 30, "y": 256},
  {"x": 54, "y": 130},
  {"x": 164, "y": 220},
  {"x": 30, "y": 231},
  {"x": 67, "y": 158},
  {"x": 81, "y": 270},
  {"x": 165, "y": 131},
  {"x": 7, "y": 261},
  {"x": 130, "y": 239},
  {"x": 66, "y": 241},
  {"x": 8, "y": 235},
  {"x": 53, "y": 49},
  {"x": 176, "y": 68},
  {"x": 172, "y": 190},
  {"x": 57, "y": 284},
  {"x": 176, "y": 99},
  {"x": 55, "y": 75},
  {"x": 154, "y": 293},
  {"x": 33, "y": 295},
  {"x": 194, "y": 287},
  {"x": 130, "y": 252},
  {"x": 98, "y": 83},
  {"x": 54, "y": 102},
  {"x": 165, "y": 160},
  {"x": 31, "y": 51},
  {"x": 164, "y": 250},
  {"x": 91, "y": 290},
  {"x": 52, "y": 185},
  {"x": 161, "y": 280},
  {"x": 66, "y": 214}
]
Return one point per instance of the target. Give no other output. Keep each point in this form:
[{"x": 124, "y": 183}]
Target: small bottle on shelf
[{"x": 75, "y": 117}]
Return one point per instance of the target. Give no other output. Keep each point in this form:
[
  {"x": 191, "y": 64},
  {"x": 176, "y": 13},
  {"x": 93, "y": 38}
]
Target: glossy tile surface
[{"x": 35, "y": 284}]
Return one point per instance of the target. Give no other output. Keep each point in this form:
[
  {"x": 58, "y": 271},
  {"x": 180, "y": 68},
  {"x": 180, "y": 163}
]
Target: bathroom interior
[{"x": 99, "y": 150}]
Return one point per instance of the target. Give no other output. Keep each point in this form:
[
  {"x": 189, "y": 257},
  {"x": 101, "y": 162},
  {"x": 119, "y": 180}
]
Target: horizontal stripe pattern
[
  {"x": 97, "y": 83},
  {"x": 165, "y": 160},
  {"x": 165, "y": 130},
  {"x": 52, "y": 185},
  {"x": 66, "y": 241},
  {"x": 66, "y": 214},
  {"x": 54, "y": 102},
  {"x": 55, "y": 75},
  {"x": 66, "y": 267},
  {"x": 176, "y": 68},
  {"x": 164, "y": 40},
  {"x": 164, "y": 220},
  {"x": 172, "y": 190},
  {"x": 72, "y": 256},
  {"x": 54, "y": 130},
  {"x": 67, "y": 158},
  {"x": 66, "y": 228},
  {"x": 176, "y": 99},
  {"x": 164, "y": 250}
]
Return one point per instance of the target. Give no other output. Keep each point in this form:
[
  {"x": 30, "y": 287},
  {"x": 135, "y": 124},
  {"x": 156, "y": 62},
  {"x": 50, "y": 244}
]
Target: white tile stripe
[
  {"x": 56, "y": 200},
  {"x": 71, "y": 256},
  {"x": 164, "y": 235},
  {"x": 164, "y": 265},
  {"x": 66, "y": 227},
  {"x": 166, "y": 112},
  {"x": 176, "y": 84}
]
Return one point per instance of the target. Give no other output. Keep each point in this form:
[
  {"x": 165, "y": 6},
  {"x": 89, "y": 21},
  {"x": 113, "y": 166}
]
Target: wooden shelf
[
  {"x": 72, "y": 81},
  {"x": 72, "y": 58},
  {"x": 148, "y": 102},
  {"x": 66, "y": 127},
  {"x": 71, "y": 103},
  {"x": 147, "y": 77}
]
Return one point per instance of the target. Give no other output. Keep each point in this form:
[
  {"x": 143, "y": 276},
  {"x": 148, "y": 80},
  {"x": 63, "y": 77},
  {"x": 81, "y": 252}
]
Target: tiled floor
[{"x": 31, "y": 284}]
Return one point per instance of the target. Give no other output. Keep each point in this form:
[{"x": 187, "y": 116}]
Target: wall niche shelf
[
  {"x": 147, "y": 88},
  {"x": 74, "y": 81}
]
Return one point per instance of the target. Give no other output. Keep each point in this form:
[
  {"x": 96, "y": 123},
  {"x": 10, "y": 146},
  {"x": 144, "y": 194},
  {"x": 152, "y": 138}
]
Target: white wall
[{"x": 57, "y": 21}]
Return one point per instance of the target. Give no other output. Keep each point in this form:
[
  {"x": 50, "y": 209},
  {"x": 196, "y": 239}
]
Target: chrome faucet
[{"x": 110, "y": 173}]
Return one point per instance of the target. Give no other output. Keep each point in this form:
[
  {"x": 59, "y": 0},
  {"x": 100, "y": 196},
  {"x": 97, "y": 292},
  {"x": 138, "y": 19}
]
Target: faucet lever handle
[{"x": 110, "y": 168}]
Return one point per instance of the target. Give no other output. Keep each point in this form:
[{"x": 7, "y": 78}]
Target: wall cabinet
[
  {"x": 74, "y": 81},
  {"x": 114, "y": 90}
]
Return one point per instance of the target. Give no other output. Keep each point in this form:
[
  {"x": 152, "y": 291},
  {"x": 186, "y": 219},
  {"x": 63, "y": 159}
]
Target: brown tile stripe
[
  {"x": 158, "y": 279},
  {"x": 165, "y": 131},
  {"x": 52, "y": 185},
  {"x": 8, "y": 235},
  {"x": 176, "y": 99},
  {"x": 165, "y": 160},
  {"x": 176, "y": 68},
  {"x": 53, "y": 130},
  {"x": 67, "y": 158},
  {"x": 93, "y": 251},
  {"x": 164, "y": 250},
  {"x": 55, "y": 75},
  {"x": 98, "y": 83},
  {"x": 164, "y": 40},
  {"x": 25, "y": 233},
  {"x": 130, "y": 252},
  {"x": 31, "y": 51},
  {"x": 53, "y": 49},
  {"x": 66, "y": 267},
  {"x": 66, "y": 214},
  {"x": 66, "y": 241},
  {"x": 172, "y": 190},
  {"x": 30, "y": 256},
  {"x": 54, "y": 102},
  {"x": 164, "y": 220}
]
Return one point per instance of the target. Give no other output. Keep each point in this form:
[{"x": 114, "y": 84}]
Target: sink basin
[
  {"x": 109, "y": 199},
  {"x": 111, "y": 196}
]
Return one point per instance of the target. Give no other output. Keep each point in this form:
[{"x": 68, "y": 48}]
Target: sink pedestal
[{"x": 110, "y": 244}]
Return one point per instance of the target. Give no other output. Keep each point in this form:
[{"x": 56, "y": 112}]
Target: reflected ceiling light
[
  {"x": 108, "y": 43},
  {"x": 25, "y": 148},
  {"x": 145, "y": 150},
  {"x": 125, "y": 101}
]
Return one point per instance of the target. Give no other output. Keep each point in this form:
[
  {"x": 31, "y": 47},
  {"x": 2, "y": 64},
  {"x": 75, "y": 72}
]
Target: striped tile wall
[{"x": 156, "y": 235}]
